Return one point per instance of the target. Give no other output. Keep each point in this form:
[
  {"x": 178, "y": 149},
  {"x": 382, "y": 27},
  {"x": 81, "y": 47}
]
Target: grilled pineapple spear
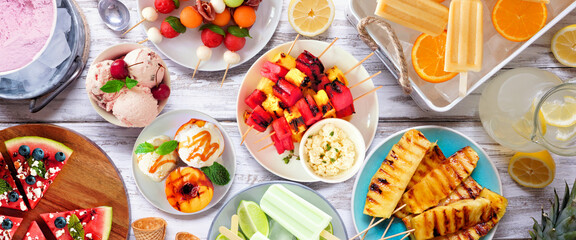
[
  {"x": 390, "y": 181},
  {"x": 433, "y": 158}
]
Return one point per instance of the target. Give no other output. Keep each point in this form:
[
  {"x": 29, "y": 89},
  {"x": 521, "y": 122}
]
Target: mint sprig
[
  {"x": 4, "y": 186},
  {"x": 38, "y": 167},
  {"x": 239, "y": 32},
  {"x": 163, "y": 149},
  {"x": 213, "y": 28},
  {"x": 75, "y": 228},
  {"x": 113, "y": 86},
  {"x": 176, "y": 24},
  {"x": 217, "y": 173}
]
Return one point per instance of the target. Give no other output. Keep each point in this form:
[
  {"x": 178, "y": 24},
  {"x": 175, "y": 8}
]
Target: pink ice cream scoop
[
  {"x": 98, "y": 75},
  {"x": 145, "y": 67},
  {"x": 136, "y": 107}
]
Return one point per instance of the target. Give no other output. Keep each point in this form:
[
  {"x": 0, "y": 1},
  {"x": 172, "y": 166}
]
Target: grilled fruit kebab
[{"x": 441, "y": 199}]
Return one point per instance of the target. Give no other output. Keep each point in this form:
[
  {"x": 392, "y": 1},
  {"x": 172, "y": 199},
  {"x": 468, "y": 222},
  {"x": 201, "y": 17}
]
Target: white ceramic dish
[
  {"x": 182, "y": 49},
  {"x": 365, "y": 118},
  {"x": 37, "y": 55},
  {"x": 352, "y": 133},
  {"x": 115, "y": 52},
  {"x": 168, "y": 124}
]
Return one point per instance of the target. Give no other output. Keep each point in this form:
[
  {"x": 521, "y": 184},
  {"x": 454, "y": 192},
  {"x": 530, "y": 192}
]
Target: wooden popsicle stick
[
  {"x": 387, "y": 227},
  {"x": 196, "y": 69},
  {"x": 398, "y": 234},
  {"x": 366, "y": 233},
  {"x": 326, "y": 49},
  {"x": 358, "y": 64},
  {"x": 226, "y": 72},
  {"x": 141, "y": 21},
  {"x": 143, "y": 41},
  {"x": 267, "y": 146},
  {"x": 463, "y": 85},
  {"x": 269, "y": 135},
  {"x": 234, "y": 224},
  {"x": 376, "y": 223},
  {"x": 229, "y": 234},
  {"x": 371, "y": 91},
  {"x": 246, "y": 133},
  {"x": 373, "y": 75},
  {"x": 328, "y": 235},
  {"x": 292, "y": 45}
]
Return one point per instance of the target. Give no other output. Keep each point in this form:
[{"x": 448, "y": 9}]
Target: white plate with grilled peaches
[{"x": 183, "y": 162}]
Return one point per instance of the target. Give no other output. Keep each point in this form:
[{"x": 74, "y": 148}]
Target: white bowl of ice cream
[
  {"x": 25, "y": 33},
  {"x": 332, "y": 150},
  {"x": 135, "y": 107}
]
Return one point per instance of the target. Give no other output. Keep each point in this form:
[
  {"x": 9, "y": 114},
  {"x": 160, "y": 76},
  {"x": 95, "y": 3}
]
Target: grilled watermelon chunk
[
  {"x": 272, "y": 71},
  {"x": 282, "y": 145},
  {"x": 8, "y": 226},
  {"x": 38, "y": 161},
  {"x": 96, "y": 223},
  {"x": 281, "y": 128},
  {"x": 341, "y": 98},
  {"x": 34, "y": 232},
  {"x": 309, "y": 110},
  {"x": 287, "y": 92},
  {"x": 255, "y": 98},
  {"x": 310, "y": 65},
  {"x": 10, "y": 196},
  {"x": 259, "y": 119}
]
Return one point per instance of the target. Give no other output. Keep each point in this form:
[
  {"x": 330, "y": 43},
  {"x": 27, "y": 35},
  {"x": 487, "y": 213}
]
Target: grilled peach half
[{"x": 188, "y": 189}]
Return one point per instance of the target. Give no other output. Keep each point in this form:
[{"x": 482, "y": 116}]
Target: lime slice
[
  {"x": 252, "y": 219},
  {"x": 222, "y": 237}
]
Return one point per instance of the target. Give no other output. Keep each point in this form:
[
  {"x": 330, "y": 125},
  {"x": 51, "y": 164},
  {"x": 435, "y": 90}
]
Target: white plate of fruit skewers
[
  {"x": 361, "y": 87},
  {"x": 182, "y": 49}
]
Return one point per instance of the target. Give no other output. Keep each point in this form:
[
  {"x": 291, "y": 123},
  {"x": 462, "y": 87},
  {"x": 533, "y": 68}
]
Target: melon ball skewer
[
  {"x": 154, "y": 35},
  {"x": 230, "y": 58},
  {"x": 204, "y": 54},
  {"x": 148, "y": 14}
]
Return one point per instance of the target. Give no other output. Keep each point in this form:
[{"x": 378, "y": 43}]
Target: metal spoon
[{"x": 114, "y": 14}]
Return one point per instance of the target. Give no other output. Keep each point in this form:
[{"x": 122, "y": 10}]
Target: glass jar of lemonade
[{"x": 529, "y": 110}]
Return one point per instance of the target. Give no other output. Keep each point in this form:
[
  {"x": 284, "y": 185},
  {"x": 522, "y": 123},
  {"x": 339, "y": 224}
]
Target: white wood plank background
[{"x": 72, "y": 110}]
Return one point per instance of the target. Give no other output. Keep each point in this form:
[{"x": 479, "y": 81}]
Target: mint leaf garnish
[
  {"x": 4, "y": 186},
  {"x": 217, "y": 174},
  {"x": 177, "y": 3},
  {"x": 75, "y": 228},
  {"x": 144, "y": 147},
  {"x": 167, "y": 147},
  {"x": 239, "y": 32},
  {"x": 112, "y": 86},
  {"x": 130, "y": 83},
  {"x": 213, "y": 28},
  {"x": 38, "y": 167},
  {"x": 176, "y": 24}
]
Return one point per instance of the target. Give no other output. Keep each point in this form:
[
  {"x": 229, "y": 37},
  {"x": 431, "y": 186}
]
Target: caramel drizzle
[
  {"x": 159, "y": 163},
  {"x": 202, "y": 139}
]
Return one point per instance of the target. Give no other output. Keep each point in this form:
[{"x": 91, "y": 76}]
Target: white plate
[
  {"x": 365, "y": 118},
  {"x": 167, "y": 124},
  {"x": 182, "y": 49}
]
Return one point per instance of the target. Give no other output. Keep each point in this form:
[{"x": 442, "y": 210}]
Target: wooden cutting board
[{"x": 89, "y": 179}]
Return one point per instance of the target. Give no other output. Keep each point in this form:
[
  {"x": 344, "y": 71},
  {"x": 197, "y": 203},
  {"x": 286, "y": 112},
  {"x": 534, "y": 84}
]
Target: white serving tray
[{"x": 441, "y": 97}]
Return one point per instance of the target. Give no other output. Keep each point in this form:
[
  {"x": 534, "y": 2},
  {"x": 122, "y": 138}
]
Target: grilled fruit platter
[{"x": 435, "y": 196}]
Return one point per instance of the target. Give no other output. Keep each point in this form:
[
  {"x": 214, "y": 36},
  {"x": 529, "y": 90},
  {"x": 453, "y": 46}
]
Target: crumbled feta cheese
[
  {"x": 3, "y": 197},
  {"x": 39, "y": 183},
  {"x": 82, "y": 213},
  {"x": 35, "y": 163},
  {"x": 22, "y": 206},
  {"x": 51, "y": 215},
  {"x": 89, "y": 235},
  {"x": 37, "y": 192},
  {"x": 60, "y": 232}
]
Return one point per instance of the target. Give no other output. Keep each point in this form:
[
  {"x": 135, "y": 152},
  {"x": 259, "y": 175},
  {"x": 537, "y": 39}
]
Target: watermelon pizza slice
[
  {"x": 34, "y": 232},
  {"x": 8, "y": 226},
  {"x": 90, "y": 224},
  {"x": 38, "y": 161},
  {"x": 10, "y": 196}
]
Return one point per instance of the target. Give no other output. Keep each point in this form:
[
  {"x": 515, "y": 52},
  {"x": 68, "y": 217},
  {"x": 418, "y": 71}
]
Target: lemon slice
[
  {"x": 564, "y": 45},
  {"x": 534, "y": 170},
  {"x": 311, "y": 17},
  {"x": 559, "y": 114}
]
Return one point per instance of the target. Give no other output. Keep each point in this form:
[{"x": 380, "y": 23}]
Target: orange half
[
  {"x": 518, "y": 20},
  {"x": 428, "y": 56}
]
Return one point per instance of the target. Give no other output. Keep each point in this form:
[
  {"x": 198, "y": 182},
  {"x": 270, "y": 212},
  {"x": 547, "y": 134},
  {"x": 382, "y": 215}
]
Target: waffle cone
[
  {"x": 151, "y": 228},
  {"x": 186, "y": 236}
]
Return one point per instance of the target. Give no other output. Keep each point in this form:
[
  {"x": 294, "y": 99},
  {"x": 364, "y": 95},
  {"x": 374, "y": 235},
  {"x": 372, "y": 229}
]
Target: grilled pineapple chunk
[
  {"x": 297, "y": 77},
  {"x": 468, "y": 189},
  {"x": 452, "y": 218},
  {"x": 323, "y": 102},
  {"x": 335, "y": 73},
  {"x": 272, "y": 105},
  {"x": 390, "y": 181},
  {"x": 265, "y": 85},
  {"x": 284, "y": 60},
  {"x": 433, "y": 158},
  {"x": 296, "y": 122},
  {"x": 441, "y": 181}
]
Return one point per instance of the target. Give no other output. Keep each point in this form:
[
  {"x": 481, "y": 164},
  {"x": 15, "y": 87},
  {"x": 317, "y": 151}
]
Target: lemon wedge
[
  {"x": 534, "y": 170},
  {"x": 564, "y": 45},
  {"x": 311, "y": 17}
]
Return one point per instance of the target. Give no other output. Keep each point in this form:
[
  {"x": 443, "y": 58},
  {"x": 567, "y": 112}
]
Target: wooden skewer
[
  {"x": 267, "y": 146},
  {"x": 225, "y": 73},
  {"x": 143, "y": 41},
  {"x": 292, "y": 45},
  {"x": 234, "y": 222},
  {"x": 133, "y": 27},
  {"x": 196, "y": 69},
  {"x": 376, "y": 223},
  {"x": 229, "y": 234},
  {"x": 463, "y": 88},
  {"x": 405, "y": 236},
  {"x": 366, "y": 233},
  {"x": 371, "y": 91},
  {"x": 398, "y": 234},
  {"x": 387, "y": 227},
  {"x": 326, "y": 49},
  {"x": 246, "y": 133},
  {"x": 358, "y": 64},
  {"x": 269, "y": 135},
  {"x": 374, "y": 75}
]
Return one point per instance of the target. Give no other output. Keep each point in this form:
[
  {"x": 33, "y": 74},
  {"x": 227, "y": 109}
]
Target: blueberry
[
  {"x": 30, "y": 180},
  {"x": 60, "y": 157},
  {"x": 38, "y": 154},
  {"x": 7, "y": 224},
  {"x": 60, "y": 222},
  {"x": 13, "y": 196},
  {"x": 24, "y": 150}
]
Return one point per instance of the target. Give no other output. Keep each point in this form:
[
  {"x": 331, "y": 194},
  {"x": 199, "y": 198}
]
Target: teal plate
[{"x": 449, "y": 141}]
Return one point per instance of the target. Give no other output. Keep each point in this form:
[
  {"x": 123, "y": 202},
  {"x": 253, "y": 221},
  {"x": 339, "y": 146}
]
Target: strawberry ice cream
[
  {"x": 98, "y": 76},
  {"x": 25, "y": 27},
  {"x": 136, "y": 107},
  {"x": 145, "y": 67}
]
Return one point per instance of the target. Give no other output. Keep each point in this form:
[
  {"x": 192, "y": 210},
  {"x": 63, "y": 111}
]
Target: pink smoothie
[{"x": 25, "y": 27}]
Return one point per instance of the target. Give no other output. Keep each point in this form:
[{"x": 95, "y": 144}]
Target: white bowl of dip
[{"x": 332, "y": 150}]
